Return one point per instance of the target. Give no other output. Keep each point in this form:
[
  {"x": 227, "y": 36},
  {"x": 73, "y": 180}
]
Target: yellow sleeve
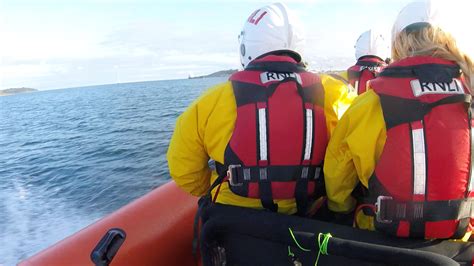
[
  {"x": 353, "y": 150},
  {"x": 344, "y": 75},
  {"x": 337, "y": 98},
  {"x": 187, "y": 153}
]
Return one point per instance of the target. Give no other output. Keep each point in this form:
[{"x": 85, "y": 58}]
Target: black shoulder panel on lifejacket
[
  {"x": 246, "y": 93},
  {"x": 425, "y": 72},
  {"x": 397, "y": 111}
]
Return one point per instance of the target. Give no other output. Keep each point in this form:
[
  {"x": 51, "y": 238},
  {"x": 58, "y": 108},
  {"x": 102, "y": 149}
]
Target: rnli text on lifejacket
[
  {"x": 422, "y": 88},
  {"x": 266, "y": 77},
  {"x": 370, "y": 68}
]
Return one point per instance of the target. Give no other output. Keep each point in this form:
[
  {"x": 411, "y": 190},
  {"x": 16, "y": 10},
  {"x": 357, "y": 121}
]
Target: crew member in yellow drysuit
[
  {"x": 360, "y": 136},
  {"x": 204, "y": 129}
]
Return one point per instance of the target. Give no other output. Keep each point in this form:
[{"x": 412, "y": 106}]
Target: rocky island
[
  {"x": 16, "y": 91},
  {"x": 222, "y": 73}
]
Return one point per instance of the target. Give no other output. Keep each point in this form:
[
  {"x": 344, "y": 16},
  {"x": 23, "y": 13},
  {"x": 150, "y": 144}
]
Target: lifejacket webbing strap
[
  {"x": 278, "y": 173},
  {"x": 265, "y": 190},
  {"x": 397, "y": 110},
  {"x": 301, "y": 192},
  {"x": 220, "y": 168},
  {"x": 431, "y": 211}
]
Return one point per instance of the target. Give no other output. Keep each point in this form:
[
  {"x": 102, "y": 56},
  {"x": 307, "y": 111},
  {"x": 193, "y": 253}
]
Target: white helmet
[
  {"x": 417, "y": 12},
  {"x": 373, "y": 43},
  {"x": 270, "y": 28},
  {"x": 451, "y": 16}
]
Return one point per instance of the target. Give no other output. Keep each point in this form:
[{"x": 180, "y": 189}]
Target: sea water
[{"x": 70, "y": 156}]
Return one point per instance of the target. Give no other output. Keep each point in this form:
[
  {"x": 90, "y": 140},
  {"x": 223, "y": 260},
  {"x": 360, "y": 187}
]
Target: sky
[{"x": 53, "y": 44}]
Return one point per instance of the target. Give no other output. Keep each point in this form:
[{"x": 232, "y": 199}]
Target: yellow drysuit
[{"x": 204, "y": 129}]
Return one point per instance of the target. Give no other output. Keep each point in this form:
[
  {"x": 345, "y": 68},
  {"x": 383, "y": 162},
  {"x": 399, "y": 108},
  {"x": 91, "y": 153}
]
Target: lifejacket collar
[
  {"x": 421, "y": 60},
  {"x": 293, "y": 56},
  {"x": 371, "y": 58}
]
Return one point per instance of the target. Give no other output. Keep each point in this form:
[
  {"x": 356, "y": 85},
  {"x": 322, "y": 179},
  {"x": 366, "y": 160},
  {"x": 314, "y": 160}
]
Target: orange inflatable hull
[{"x": 159, "y": 228}]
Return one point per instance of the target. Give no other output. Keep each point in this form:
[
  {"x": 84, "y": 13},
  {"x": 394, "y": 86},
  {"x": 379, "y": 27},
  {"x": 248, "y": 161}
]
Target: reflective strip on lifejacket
[
  {"x": 309, "y": 134},
  {"x": 419, "y": 159},
  {"x": 262, "y": 128},
  {"x": 263, "y": 173},
  {"x": 471, "y": 177},
  {"x": 317, "y": 173},
  {"x": 304, "y": 172},
  {"x": 356, "y": 86},
  {"x": 247, "y": 176}
]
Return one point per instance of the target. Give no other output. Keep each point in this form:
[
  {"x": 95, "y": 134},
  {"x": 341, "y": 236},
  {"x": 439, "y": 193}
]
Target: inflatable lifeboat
[{"x": 157, "y": 229}]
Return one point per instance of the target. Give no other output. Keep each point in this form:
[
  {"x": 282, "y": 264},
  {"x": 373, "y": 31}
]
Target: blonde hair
[{"x": 432, "y": 41}]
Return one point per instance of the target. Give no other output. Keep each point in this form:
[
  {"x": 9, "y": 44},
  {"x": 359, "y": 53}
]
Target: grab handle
[{"x": 107, "y": 247}]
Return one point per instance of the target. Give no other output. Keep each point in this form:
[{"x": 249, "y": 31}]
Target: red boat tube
[{"x": 158, "y": 227}]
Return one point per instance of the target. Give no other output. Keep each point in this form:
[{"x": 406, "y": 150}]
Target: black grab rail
[{"x": 107, "y": 247}]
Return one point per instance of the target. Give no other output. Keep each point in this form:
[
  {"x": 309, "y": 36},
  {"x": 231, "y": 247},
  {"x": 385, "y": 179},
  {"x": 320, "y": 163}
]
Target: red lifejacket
[
  {"x": 279, "y": 140},
  {"x": 366, "y": 68},
  {"x": 422, "y": 184}
]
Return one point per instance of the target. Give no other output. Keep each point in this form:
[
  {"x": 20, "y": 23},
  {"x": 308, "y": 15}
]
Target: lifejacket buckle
[
  {"x": 232, "y": 174},
  {"x": 381, "y": 211}
]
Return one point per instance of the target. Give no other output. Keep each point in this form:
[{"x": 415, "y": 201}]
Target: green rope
[
  {"x": 323, "y": 245},
  {"x": 296, "y": 242},
  {"x": 323, "y": 240},
  {"x": 290, "y": 254}
]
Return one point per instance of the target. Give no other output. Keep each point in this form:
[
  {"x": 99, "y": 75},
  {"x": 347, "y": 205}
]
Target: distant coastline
[
  {"x": 12, "y": 91},
  {"x": 218, "y": 74},
  {"x": 227, "y": 73}
]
